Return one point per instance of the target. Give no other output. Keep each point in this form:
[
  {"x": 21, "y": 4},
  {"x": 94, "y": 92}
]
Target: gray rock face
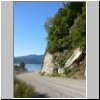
[
  {"x": 60, "y": 70},
  {"x": 48, "y": 65},
  {"x": 74, "y": 56}
]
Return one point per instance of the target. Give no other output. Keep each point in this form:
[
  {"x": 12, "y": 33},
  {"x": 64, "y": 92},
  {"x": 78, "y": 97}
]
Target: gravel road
[{"x": 55, "y": 87}]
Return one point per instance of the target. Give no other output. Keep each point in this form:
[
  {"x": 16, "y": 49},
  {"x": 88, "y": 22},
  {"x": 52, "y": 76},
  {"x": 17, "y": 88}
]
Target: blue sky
[{"x": 29, "y": 32}]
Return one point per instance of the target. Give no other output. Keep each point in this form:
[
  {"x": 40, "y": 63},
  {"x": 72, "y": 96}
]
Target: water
[{"x": 32, "y": 67}]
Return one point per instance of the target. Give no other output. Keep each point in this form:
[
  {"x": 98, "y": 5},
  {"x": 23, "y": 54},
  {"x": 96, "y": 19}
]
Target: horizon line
[{"x": 29, "y": 55}]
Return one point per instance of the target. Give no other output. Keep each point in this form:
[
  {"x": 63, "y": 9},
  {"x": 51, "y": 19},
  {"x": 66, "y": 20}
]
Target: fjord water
[{"x": 32, "y": 67}]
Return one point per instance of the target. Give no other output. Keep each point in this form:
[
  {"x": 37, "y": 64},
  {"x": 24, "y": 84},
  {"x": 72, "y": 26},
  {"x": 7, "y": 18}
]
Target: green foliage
[
  {"x": 15, "y": 67},
  {"x": 60, "y": 61},
  {"x": 78, "y": 32},
  {"x": 67, "y": 70},
  {"x": 22, "y": 65},
  {"x": 23, "y": 90},
  {"x": 67, "y": 29},
  {"x": 21, "y": 68}
]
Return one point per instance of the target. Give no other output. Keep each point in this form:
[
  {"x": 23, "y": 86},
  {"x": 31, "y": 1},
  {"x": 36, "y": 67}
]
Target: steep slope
[
  {"x": 66, "y": 41},
  {"x": 74, "y": 66}
]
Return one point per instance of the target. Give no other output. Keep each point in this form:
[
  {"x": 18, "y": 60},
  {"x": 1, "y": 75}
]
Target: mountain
[{"x": 29, "y": 59}]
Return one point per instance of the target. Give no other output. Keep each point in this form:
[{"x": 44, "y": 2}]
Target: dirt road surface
[{"x": 55, "y": 87}]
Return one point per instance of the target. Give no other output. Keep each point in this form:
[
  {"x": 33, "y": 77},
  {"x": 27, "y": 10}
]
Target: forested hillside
[
  {"x": 67, "y": 29},
  {"x": 66, "y": 42}
]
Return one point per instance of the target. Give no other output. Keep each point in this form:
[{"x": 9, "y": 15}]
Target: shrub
[
  {"x": 67, "y": 70},
  {"x": 15, "y": 67},
  {"x": 23, "y": 90},
  {"x": 42, "y": 73},
  {"x": 21, "y": 68},
  {"x": 55, "y": 74},
  {"x": 60, "y": 61}
]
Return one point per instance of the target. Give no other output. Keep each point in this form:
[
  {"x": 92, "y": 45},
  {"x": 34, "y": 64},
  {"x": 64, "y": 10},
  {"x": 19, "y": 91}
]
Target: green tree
[
  {"x": 67, "y": 29},
  {"x": 15, "y": 67},
  {"x": 22, "y": 65},
  {"x": 78, "y": 31}
]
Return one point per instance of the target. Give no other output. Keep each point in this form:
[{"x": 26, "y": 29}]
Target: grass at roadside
[{"x": 23, "y": 90}]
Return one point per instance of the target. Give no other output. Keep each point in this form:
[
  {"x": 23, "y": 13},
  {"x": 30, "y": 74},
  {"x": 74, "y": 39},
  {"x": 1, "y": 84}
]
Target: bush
[
  {"x": 67, "y": 70},
  {"x": 60, "y": 61},
  {"x": 23, "y": 90},
  {"x": 21, "y": 68},
  {"x": 42, "y": 73},
  {"x": 55, "y": 74},
  {"x": 15, "y": 67}
]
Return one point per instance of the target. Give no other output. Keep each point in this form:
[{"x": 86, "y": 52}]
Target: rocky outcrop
[
  {"x": 48, "y": 65},
  {"x": 60, "y": 70},
  {"x": 76, "y": 54},
  {"x": 71, "y": 61},
  {"x": 75, "y": 59}
]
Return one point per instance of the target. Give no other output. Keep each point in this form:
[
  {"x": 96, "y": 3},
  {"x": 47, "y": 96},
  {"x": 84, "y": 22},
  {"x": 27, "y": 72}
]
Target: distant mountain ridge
[{"x": 29, "y": 59}]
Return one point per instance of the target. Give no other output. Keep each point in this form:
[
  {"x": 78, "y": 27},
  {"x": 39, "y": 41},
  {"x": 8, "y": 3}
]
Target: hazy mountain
[{"x": 30, "y": 59}]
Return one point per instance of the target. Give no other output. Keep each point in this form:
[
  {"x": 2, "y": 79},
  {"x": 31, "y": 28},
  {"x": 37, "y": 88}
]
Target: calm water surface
[{"x": 32, "y": 67}]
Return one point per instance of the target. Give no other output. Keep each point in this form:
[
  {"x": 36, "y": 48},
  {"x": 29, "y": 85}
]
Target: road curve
[{"x": 55, "y": 87}]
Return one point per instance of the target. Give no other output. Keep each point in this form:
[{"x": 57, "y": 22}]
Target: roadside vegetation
[
  {"x": 19, "y": 69},
  {"x": 23, "y": 90}
]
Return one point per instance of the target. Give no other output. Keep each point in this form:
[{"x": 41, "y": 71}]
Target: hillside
[
  {"x": 30, "y": 59},
  {"x": 66, "y": 42}
]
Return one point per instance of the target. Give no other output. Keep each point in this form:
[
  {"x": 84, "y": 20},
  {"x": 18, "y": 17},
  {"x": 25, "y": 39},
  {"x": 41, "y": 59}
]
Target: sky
[{"x": 29, "y": 31}]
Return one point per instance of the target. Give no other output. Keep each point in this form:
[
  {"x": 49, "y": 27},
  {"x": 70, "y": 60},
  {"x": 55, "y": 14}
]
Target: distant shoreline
[{"x": 28, "y": 63}]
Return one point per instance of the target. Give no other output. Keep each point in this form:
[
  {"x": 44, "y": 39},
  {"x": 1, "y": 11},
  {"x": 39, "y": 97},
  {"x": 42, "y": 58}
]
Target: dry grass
[{"x": 23, "y": 90}]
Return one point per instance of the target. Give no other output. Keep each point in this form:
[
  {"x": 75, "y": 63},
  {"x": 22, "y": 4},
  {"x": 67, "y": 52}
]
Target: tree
[
  {"x": 22, "y": 65},
  {"x": 15, "y": 67},
  {"x": 78, "y": 31},
  {"x": 67, "y": 29}
]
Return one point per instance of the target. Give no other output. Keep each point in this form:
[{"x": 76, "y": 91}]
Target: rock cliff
[
  {"x": 73, "y": 62},
  {"x": 48, "y": 64}
]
